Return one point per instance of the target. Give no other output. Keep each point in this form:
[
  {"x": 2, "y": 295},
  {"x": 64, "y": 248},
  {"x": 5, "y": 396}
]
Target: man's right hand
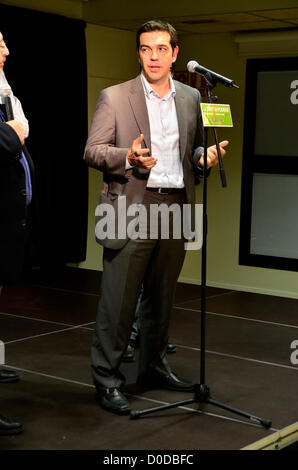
[
  {"x": 18, "y": 128},
  {"x": 135, "y": 155}
]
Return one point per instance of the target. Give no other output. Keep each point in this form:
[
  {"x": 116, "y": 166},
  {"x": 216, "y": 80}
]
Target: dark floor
[{"x": 47, "y": 322}]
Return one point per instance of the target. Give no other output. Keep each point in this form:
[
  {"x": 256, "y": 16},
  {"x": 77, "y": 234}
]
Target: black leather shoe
[
  {"x": 8, "y": 427},
  {"x": 171, "y": 348},
  {"x": 129, "y": 355},
  {"x": 8, "y": 376},
  {"x": 169, "y": 381},
  {"x": 113, "y": 400}
]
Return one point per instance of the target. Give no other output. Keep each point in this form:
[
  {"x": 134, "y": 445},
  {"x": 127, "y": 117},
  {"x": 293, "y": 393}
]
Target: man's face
[
  {"x": 3, "y": 52},
  {"x": 156, "y": 55}
]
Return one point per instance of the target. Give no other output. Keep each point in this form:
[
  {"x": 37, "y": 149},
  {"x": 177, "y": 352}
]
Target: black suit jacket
[{"x": 13, "y": 209}]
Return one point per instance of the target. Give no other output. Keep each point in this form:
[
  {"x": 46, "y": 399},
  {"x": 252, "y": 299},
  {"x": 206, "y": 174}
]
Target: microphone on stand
[{"x": 211, "y": 77}]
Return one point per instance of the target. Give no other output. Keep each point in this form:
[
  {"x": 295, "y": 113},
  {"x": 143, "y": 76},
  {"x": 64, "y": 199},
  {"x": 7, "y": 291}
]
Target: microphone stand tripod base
[{"x": 202, "y": 395}]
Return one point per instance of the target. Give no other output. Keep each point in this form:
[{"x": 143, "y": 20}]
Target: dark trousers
[{"x": 157, "y": 264}]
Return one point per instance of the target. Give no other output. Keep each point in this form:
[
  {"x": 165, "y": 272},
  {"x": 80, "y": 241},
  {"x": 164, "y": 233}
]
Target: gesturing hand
[
  {"x": 135, "y": 155},
  {"x": 212, "y": 158}
]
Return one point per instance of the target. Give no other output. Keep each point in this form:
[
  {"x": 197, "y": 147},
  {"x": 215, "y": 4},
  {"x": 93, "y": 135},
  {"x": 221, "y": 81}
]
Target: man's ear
[
  {"x": 139, "y": 60},
  {"x": 175, "y": 53}
]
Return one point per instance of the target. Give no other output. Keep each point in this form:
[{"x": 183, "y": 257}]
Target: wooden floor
[{"x": 47, "y": 321}]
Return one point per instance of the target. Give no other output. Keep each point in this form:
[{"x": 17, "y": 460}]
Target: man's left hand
[{"x": 212, "y": 158}]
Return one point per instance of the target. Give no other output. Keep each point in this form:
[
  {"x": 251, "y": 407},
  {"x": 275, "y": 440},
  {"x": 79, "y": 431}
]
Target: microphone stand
[{"x": 202, "y": 390}]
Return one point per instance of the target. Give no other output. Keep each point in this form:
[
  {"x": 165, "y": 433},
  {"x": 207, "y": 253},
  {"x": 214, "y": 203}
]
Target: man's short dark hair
[{"x": 158, "y": 25}]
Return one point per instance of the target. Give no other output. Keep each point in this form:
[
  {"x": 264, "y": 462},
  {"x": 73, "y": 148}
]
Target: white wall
[
  {"x": 111, "y": 56},
  {"x": 219, "y": 52}
]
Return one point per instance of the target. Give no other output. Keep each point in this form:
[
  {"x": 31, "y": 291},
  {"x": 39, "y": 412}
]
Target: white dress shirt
[{"x": 164, "y": 134}]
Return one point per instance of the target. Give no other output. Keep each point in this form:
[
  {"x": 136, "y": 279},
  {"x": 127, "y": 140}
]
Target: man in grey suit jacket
[{"x": 146, "y": 138}]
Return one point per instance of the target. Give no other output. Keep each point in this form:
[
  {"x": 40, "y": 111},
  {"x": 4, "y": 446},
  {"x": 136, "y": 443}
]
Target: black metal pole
[{"x": 204, "y": 263}]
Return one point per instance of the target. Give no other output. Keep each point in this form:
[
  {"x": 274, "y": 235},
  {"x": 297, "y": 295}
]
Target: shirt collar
[{"x": 149, "y": 90}]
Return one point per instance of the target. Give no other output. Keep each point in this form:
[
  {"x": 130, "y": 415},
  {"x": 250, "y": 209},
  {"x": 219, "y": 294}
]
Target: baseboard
[
  {"x": 243, "y": 288},
  {"x": 227, "y": 286}
]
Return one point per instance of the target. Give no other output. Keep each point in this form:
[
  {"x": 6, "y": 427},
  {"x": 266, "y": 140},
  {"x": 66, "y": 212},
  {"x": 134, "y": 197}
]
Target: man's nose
[
  {"x": 154, "y": 54},
  {"x": 4, "y": 52}
]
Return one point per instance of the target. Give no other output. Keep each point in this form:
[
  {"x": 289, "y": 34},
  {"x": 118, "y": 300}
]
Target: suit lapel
[
  {"x": 182, "y": 117},
  {"x": 137, "y": 101}
]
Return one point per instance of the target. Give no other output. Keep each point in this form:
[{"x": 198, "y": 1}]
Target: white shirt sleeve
[{"x": 19, "y": 113}]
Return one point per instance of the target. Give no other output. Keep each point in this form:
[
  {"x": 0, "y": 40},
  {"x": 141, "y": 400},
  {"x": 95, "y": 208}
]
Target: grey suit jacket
[{"x": 120, "y": 117}]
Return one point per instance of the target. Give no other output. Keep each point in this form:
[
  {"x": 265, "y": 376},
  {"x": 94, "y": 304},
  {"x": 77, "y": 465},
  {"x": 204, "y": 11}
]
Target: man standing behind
[
  {"x": 146, "y": 137},
  {"x": 15, "y": 196}
]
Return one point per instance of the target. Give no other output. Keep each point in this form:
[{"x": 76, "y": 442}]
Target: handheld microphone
[
  {"x": 5, "y": 92},
  {"x": 211, "y": 77}
]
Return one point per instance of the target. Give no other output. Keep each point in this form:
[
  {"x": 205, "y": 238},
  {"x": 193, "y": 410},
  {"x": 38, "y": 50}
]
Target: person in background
[
  {"x": 16, "y": 170},
  {"x": 134, "y": 341}
]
